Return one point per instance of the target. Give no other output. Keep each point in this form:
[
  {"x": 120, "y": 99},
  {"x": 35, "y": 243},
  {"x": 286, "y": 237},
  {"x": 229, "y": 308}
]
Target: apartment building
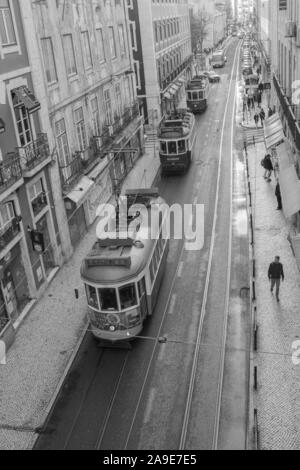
[
  {"x": 84, "y": 72},
  {"x": 161, "y": 43},
  {"x": 30, "y": 246},
  {"x": 215, "y": 13}
]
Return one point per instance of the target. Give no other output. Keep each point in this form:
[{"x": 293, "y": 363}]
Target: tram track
[
  {"x": 103, "y": 426},
  {"x": 186, "y": 419}
]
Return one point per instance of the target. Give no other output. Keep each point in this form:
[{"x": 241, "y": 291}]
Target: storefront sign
[{"x": 37, "y": 239}]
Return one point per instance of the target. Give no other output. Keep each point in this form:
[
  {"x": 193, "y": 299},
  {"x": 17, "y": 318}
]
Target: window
[
  {"x": 95, "y": 116},
  {"x": 92, "y": 297},
  {"x": 128, "y": 296},
  {"x": 80, "y": 129},
  {"x": 107, "y": 102},
  {"x": 37, "y": 197},
  {"x": 112, "y": 42},
  {"x": 163, "y": 147},
  {"x": 62, "y": 142},
  {"x": 122, "y": 39},
  {"x": 69, "y": 54},
  {"x": 172, "y": 148},
  {"x": 87, "y": 55},
  {"x": 108, "y": 299},
  {"x": 100, "y": 42},
  {"x": 49, "y": 62},
  {"x": 181, "y": 146},
  {"x": 7, "y": 31},
  {"x": 23, "y": 122},
  {"x": 7, "y": 215},
  {"x": 118, "y": 99}
]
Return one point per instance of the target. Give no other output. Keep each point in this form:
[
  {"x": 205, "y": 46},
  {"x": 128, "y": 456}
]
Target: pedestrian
[
  {"x": 262, "y": 116},
  {"x": 261, "y": 87},
  {"x": 270, "y": 112},
  {"x": 259, "y": 98},
  {"x": 248, "y": 102},
  {"x": 278, "y": 196},
  {"x": 256, "y": 119},
  {"x": 275, "y": 274},
  {"x": 268, "y": 166}
]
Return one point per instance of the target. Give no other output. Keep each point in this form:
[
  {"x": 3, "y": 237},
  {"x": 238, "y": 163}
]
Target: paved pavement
[
  {"x": 48, "y": 338},
  {"x": 278, "y": 396}
]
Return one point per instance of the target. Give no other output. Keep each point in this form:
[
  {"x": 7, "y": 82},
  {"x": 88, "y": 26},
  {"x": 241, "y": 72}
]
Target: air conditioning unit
[
  {"x": 298, "y": 37},
  {"x": 290, "y": 29}
]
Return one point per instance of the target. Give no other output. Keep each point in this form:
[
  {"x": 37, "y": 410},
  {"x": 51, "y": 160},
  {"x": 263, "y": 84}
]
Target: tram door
[{"x": 143, "y": 298}]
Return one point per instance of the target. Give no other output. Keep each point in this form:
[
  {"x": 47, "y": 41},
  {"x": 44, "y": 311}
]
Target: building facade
[
  {"x": 30, "y": 245},
  {"x": 161, "y": 43},
  {"x": 84, "y": 62},
  {"x": 216, "y": 14}
]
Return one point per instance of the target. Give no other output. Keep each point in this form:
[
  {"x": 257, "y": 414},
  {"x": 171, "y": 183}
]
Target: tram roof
[
  {"x": 176, "y": 125},
  {"x": 118, "y": 260}
]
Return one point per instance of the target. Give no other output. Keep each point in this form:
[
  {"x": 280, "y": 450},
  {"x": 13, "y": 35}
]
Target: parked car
[{"x": 212, "y": 76}]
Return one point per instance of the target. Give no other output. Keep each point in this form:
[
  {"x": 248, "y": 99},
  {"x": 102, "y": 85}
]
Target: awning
[
  {"x": 26, "y": 98},
  {"x": 273, "y": 131},
  {"x": 167, "y": 95},
  {"x": 2, "y": 126},
  {"x": 181, "y": 79},
  {"x": 81, "y": 190},
  {"x": 93, "y": 175},
  {"x": 289, "y": 182}
]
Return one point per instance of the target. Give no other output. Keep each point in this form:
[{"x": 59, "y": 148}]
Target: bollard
[
  {"x": 255, "y": 378},
  {"x": 256, "y": 430},
  {"x": 255, "y": 338},
  {"x": 252, "y": 231},
  {"x": 253, "y": 291},
  {"x": 254, "y": 140},
  {"x": 254, "y": 268}
]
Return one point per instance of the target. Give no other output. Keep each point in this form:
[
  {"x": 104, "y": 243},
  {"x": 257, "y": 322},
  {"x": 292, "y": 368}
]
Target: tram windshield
[
  {"x": 128, "y": 297},
  {"x": 181, "y": 146},
  {"x": 108, "y": 299},
  {"x": 173, "y": 148},
  {"x": 92, "y": 297}
]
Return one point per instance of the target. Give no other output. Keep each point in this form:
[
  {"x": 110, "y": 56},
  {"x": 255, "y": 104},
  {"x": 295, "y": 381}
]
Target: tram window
[
  {"x": 108, "y": 299},
  {"x": 92, "y": 297},
  {"x": 172, "y": 147},
  {"x": 200, "y": 95},
  {"x": 163, "y": 147},
  {"x": 195, "y": 95},
  {"x": 189, "y": 96},
  {"x": 151, "y": 271},
  {"x": 181, "y": 146},
  {"x": 142, "y": 288},
  {"x": 128, "y": 296}
]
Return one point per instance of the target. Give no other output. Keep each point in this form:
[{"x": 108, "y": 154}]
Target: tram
[
  {"x": 197, "y": 91},
  {"x": 176, "y": 135},
  {"x": 122, "y": 276}
]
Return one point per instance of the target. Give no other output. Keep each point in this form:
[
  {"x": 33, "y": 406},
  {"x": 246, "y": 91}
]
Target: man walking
[
  {"x": 275, "y": 275},
  {"x": 256, "y": 119},
  {"x": 278, "y": 196}
]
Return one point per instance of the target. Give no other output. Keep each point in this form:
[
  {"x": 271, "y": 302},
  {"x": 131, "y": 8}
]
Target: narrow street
[{"x": 176, "y": 395}]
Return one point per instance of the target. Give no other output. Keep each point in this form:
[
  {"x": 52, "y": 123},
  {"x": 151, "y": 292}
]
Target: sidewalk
[
  {"x": 278, "y": 396},
  {"x": 48, "y": 338}
]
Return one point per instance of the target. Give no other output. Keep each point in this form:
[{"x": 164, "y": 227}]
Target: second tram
[
  {"x": 197, "y": 91},
  {"x": 122, "y": 276},
  {"x": 176, "y": 134}
]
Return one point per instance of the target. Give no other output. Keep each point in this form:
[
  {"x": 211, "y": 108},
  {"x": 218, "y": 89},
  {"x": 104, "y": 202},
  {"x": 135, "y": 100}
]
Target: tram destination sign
[{"x": 124, "y": 262}]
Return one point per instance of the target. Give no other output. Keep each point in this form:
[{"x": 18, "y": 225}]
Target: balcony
[
  {"x": 104, "y": 142},
  {"x": 72, "y": 172},
  {"x": 10, "y": 232},
  {"x": 35, "y": 155},
  {"x": 10, "y": 173},
  {"x": 287, "y": 109},
  {"x": 39, "y": 204}
]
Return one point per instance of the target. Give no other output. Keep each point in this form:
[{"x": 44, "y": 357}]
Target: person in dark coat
[
  {"x": 262, "y": 116},
  {"x": 275, "y": 274},
  {"x": 259, "y": 97},
  {"x": 278, "y": 196},
  {"x": 268, "y": 166},
  {"x": 270, "y": 112},
  {"x": 256, "y": 119}
]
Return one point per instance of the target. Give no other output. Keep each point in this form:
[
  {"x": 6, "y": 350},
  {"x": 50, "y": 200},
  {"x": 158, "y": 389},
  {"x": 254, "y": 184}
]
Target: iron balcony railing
[
  {"x": 287, "y": 109},
  {"x": 10, "y": 232},
  {"x": 72, "y": 172},
  {"x": 10, "y": 171},
  {"x": 35, "y": 152}
]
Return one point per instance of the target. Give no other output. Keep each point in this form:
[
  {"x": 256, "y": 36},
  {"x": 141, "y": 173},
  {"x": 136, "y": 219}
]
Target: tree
[{"x": 200, "y": 30}]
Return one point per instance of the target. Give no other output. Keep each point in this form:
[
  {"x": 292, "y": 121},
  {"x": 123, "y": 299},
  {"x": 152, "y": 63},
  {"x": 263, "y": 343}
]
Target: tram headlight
[{"x": 112, "y": 328}]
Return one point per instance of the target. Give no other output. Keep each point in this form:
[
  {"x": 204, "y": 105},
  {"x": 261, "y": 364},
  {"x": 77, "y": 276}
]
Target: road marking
[
  {"x": 180, "y": 268},
  {"x": 172, "y": 304},
  {"x": 149, "y": 406}
]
